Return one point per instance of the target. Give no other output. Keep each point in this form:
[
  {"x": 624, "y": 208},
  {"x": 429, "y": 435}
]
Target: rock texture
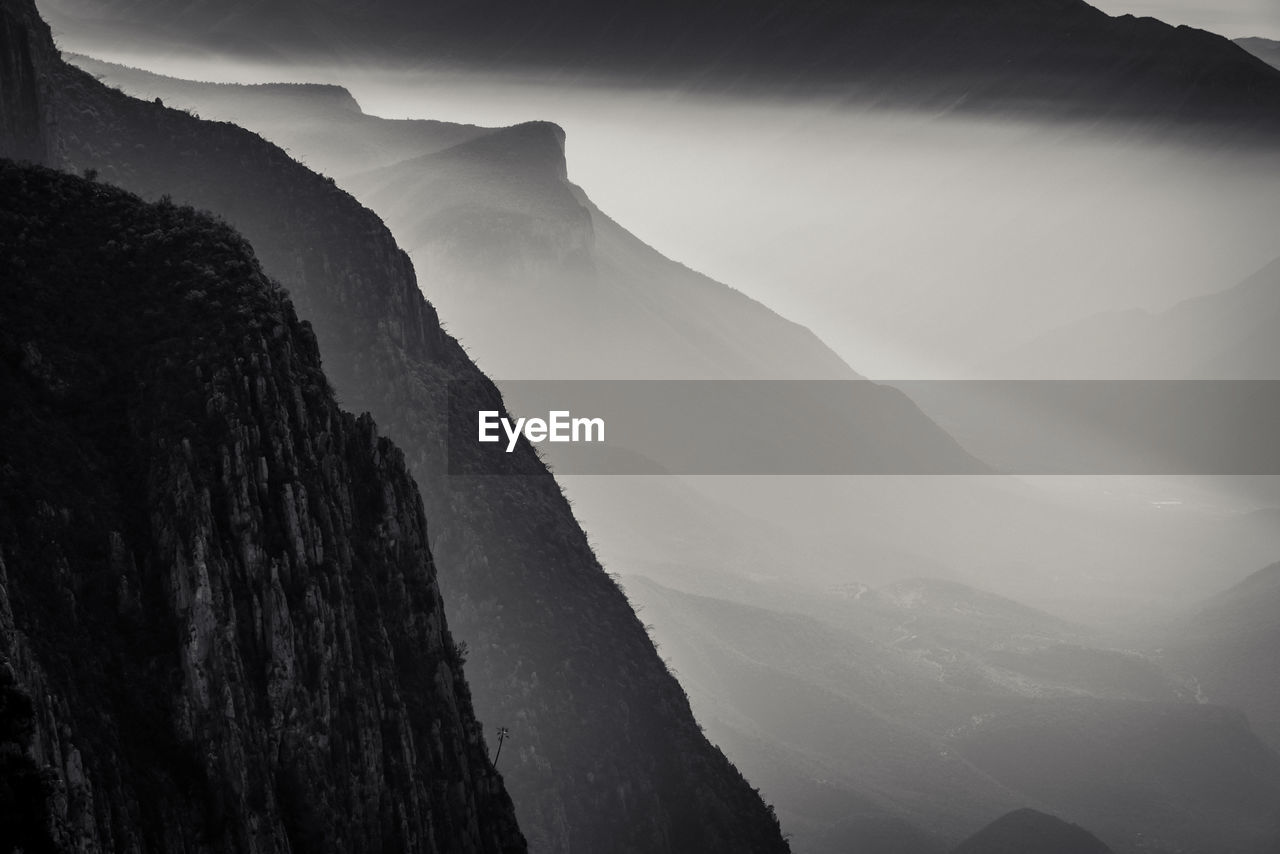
[
  {"x": 215, "y": 585},
  {"x": 605, "y": 755}
]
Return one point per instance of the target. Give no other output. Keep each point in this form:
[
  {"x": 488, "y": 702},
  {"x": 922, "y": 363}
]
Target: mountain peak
[
  {"x": 321, "y": 97},
  {"x": 1026, "y": 830},
  {"x": 538, "y": 146}
]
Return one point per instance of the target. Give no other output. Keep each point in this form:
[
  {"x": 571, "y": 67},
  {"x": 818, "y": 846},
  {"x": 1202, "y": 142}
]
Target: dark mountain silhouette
[
  {"x": 215, "y": 584},
  {"x": 1225, "y": 335},
  {"x": 1228, "y": 646},
  {"x": 1027, "y": 830},
  {"x": 1057, "y": 56},
  {"x": 1267, "y": 50},
  {"x": 605, "y": 753}
]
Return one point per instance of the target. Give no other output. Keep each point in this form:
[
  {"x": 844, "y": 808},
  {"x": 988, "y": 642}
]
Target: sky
[{"x": 1232, "y": 18}]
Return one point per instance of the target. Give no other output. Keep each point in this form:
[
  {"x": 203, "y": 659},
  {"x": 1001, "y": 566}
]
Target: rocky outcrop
[
  {"x": 605, "y": 754},
  {"x": 23, "y": 116},
  {"x": 215, "y": 585}
]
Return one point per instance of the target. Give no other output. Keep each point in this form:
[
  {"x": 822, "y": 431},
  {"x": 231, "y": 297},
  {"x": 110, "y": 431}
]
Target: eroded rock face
[
  {"x": 215, "y": 584},
  {"x": 24, "y": 106}
]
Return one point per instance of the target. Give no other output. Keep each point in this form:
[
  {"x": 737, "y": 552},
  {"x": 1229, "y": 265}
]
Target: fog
[
  {"x": 917, "y": 246},
  {"x": 842, "y": 638}
]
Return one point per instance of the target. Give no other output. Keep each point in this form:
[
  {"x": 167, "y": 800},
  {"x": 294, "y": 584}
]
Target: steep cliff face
[
  {"x": 215, "y": 585},
  {"x": 22, "y": 118},
  {"x": 605, "y": 753}
]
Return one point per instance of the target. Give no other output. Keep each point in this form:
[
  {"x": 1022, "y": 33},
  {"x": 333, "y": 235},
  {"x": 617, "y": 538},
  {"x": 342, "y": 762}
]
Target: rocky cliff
[
  {"x": 605, "y": 753},
  {"x": 215, "y": 585}
]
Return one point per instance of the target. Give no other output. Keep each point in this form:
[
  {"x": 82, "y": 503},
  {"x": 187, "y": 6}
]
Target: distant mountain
[
  {"x": 1045, "y": 56},
  {"x": 1229, "y": 647},
  {"x": 1143, "y": 776},
  {"x": 605, "y": 752},
  {"x": 1026, "y": 830},
  {"x": 1224, "y": 335},
  {"x": 1265, "y": 49},
  {"x": 320, "y": 125},
  {"x": 538, "y": 283},
  {"x": 936, "y": 706},
  {"x": 214, "y": 584},
  {"x": 507, "y": 237}
]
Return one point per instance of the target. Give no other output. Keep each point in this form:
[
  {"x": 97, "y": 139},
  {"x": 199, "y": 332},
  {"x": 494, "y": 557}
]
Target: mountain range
[
  {"x": 1060, "y": 57},
  {"x": 1228, "y": 644},
  {"x": 931, "y": 704},
  {"x": 491, "y": 219},
  {"x": 1228, "y": 335},
  {"x": 1268, "y": 50},
  {"x": 897, "y": 715},
  {"x": 606, "y": 754}
]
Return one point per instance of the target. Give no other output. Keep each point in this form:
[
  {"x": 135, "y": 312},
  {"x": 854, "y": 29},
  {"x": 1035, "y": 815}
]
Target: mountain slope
[
  {"x": 215, "y": 584},
  {"x": 320, "y": 125},
  {"x": 1225, "y": 335},
  {"x": 937, "y": 705},
  {"x": 1058, "y": 56},
  {"x": 1153, "y": 776},
  {"x": 1227, "y": 645},
  {"x": 506, "y": 234},
  {"x": 1028, "y": 830},
  {"x": 1268, "y": 50},
  {"x": 605, "y": 753},
  {"x": 538, "y": 283}
]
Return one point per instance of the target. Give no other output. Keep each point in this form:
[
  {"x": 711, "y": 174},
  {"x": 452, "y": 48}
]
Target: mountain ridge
[
  {"x": 215, "y": 584},
  {"x": 1072, "y": 59},
  {"x": 609, "y": 756},
  {"x": 1223, "y": 335}
]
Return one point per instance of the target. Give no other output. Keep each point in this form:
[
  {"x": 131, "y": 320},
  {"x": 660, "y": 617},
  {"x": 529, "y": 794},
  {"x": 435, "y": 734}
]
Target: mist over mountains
[
  {"x": 1050, "y": 56},
  {"x": 610, "y": 754},
  {"x": 901, "y": 665},
  {"x": 494, "y": 223},
  {"x": 1268, "y": 50},
  {"x": 1227, "y": 335}
]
